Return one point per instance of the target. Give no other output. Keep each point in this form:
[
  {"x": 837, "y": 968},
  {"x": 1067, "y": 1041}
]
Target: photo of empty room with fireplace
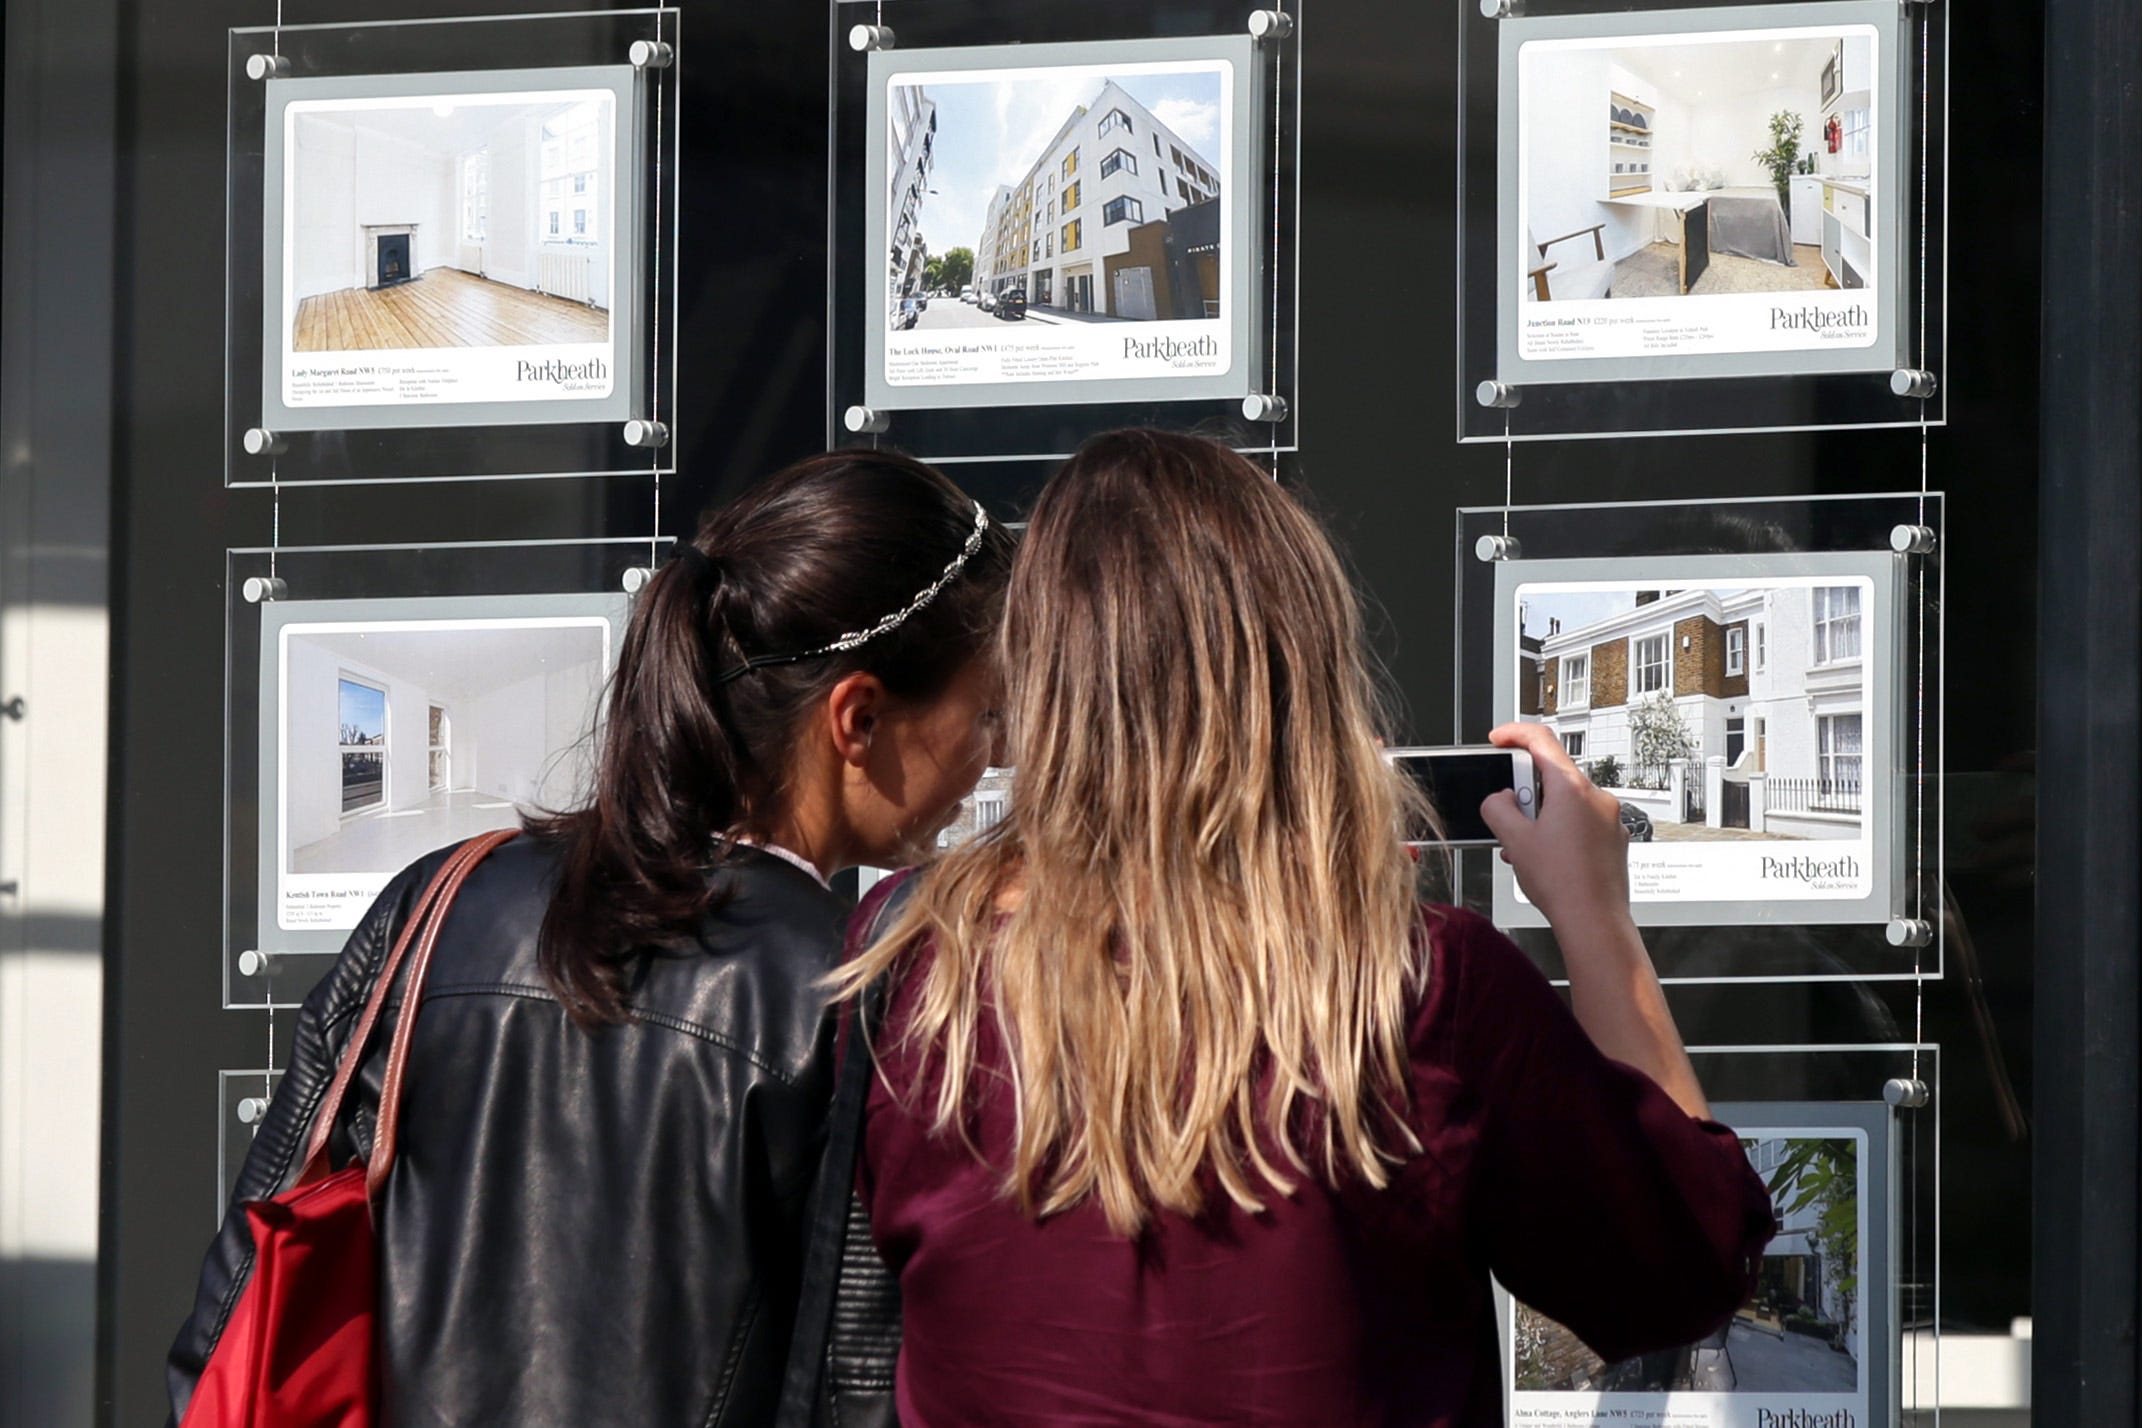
[
  {"x": 398, "y": 738},
  {"x": 1719, "y": 713},
  {"x": 451, "y": 221}
]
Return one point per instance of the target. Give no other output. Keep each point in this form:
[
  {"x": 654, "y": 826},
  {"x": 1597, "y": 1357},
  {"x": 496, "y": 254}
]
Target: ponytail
[{"x": 691, "y": 754}]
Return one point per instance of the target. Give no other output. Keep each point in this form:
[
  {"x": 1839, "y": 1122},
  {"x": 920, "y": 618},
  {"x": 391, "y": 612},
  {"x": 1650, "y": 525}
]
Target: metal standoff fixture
[
  {"x": 647, "y": 435},
  {"x": 1492, "y": 393},
  {"x": 1264, "y": 406},
  {"x": 866, "y": 420},
  {"x": 1270, "y": 24},
  {"x": 865, "y": 38},
  {"x": 652, "y": 54},
  {"x": 254, "y": 963},
  {"x": 251, "y": 1109},
  {"x": 258, "y": 589},
  {"x": 267, "y": 66},
  {"x": 1912, "y": 382},
  {"x": 1906, "y": 1093},
  {"x": 1500, "y": 9},
  {"x": 259, "y": 441},
  {"x": 635, "y": 579},
  {"x": 14, "y": 709},
  {"x": 1911, "y": 540},
  {"x": 1497, "y": 547},
  {"x": 1909, "y": 932}
]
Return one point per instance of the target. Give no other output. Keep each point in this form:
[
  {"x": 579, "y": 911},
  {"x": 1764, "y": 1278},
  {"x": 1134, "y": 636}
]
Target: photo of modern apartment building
[
  {"x": 1117, "y": 217},
  {"x": 1757, "y": 695}
]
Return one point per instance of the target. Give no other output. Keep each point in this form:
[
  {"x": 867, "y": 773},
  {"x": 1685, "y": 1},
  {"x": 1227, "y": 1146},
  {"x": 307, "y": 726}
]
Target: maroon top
[{"x": 1571, "y": 1178}]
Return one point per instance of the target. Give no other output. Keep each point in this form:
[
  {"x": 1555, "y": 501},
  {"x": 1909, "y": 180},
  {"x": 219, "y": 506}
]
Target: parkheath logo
[
  {"x": 1804, "y": 869},
  {"x": 1817, "y": 319},
  {"x": 1804, "y": 1418},
  {"x": 1175, "y": 351},
  {"x": 563, "y": 374}
]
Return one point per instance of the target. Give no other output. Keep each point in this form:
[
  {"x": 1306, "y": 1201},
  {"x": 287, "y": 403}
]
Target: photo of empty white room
[
  {"x": 455, "y": 220},
  {"x": 398, "y": 738}
]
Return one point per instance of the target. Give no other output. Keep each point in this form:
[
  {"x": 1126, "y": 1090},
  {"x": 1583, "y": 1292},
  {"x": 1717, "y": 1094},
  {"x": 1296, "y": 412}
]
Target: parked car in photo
[
  {"x": 1636, "y": 823},
  {"x": 906, "y": 313},
  {"x": 1012, "y": 304},
  {"x": 966, "y": 294},
  {"x": 987, "y": 302}
]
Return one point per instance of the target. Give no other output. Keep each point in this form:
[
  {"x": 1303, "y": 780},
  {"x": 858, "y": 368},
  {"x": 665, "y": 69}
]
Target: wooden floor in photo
[{"x": 444, "y": 308}]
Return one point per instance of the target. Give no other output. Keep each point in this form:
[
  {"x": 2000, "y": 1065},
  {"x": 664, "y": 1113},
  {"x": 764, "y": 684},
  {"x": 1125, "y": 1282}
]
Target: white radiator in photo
[{"x": 566, "y": 275}]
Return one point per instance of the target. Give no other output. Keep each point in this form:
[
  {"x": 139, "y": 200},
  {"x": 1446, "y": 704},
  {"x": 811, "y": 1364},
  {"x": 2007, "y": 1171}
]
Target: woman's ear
[{"x": 852, "y": 712}]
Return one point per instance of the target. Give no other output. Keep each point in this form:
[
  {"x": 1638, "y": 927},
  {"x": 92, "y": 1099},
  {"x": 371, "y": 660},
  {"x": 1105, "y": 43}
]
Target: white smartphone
[{"x": 1459, "y": 778}]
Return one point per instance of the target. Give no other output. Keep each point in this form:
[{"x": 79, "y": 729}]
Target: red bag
[{"x": 298, "y": 1350}]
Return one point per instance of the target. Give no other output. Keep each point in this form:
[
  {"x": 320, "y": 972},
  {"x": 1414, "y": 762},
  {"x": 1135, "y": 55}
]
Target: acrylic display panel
[
  {"x": 1744, "y": 710},
  {"x": 1116, "y": 187},
  {"x": 1712, "y": 217},
  {"x": 241, "y": 1100},
  {"x": 366, "y": 730},
  {"x": 447, "y": 246},
  {"x": 1816, "y": 1341},
  {"x": 1759, "y": 684}
]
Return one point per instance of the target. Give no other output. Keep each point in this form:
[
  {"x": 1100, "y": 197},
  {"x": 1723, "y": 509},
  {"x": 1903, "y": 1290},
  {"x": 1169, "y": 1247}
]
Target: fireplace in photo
[
  {"x": 390, "y": 254},
  {"x": 393, "y": 259}
]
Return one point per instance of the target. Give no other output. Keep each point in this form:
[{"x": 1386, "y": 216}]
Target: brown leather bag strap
[
  {"x": 390, "y": 1092},
  {"x": 323, "y": 1123}
]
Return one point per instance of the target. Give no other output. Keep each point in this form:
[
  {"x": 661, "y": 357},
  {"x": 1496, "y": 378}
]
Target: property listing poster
[
  {"x": 1060, "y": 224},
  {"x": 1793, "y": 1356},
  {"x": 1685, "y": 195},
  {"x": 1735, "y": 721},
  {"x": 450, "y": 248},
  {"x": 398, "y": 737}
]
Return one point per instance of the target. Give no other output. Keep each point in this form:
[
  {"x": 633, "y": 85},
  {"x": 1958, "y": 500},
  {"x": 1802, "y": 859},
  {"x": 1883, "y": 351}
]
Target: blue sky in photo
[
  {"x": 1578, "y": 608},
  {"x": 990, "y": 133},
  {"x": 364, "y": 710}
]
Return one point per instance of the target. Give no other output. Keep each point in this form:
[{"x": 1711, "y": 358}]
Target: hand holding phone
[
  {"x": 1458, "y": 781},
  {"x": 1568, "y": 849}
]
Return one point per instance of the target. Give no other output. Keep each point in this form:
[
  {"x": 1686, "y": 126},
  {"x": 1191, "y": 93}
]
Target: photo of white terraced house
[{"x": 1720, "y": 713}]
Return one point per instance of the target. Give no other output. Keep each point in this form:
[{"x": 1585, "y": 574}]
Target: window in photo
[
  {"x": 1648, "y": 657},
  {"x": 1573, "y": 743},
  {"x": 1840, "y": 755},
  {"x": 1123, "y": 210},
  {"x": 1576, "y": 681},
  {"x": 1762, "y": 647},
  {"x": 1116, "y": 120},
  {"x": 1071, "y": 235},
  {"x": 362, "y": 746},
  {"x": 570, "y": 155},
  {"x": 1736, "y": 651},
  {"x": 1118, "y": 160},
  {"x": 476, "y": 196},
  {"x": 1836, "y": 623},
  {"x": 1070, "y": 167},
  {"x": 1071, "y": 196}
]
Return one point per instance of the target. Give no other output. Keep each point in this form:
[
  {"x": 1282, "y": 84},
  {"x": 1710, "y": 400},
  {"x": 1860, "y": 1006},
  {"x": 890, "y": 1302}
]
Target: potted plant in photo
[{"x": 1783, "y": 153}]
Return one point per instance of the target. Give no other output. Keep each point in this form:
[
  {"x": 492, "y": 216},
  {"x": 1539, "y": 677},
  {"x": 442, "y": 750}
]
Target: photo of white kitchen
[{"x": 1732, "y": 174}]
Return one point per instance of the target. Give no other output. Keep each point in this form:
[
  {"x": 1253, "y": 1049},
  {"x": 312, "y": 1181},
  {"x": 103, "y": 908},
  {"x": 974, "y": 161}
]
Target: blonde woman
[{"x": 1187, "y": 1112}]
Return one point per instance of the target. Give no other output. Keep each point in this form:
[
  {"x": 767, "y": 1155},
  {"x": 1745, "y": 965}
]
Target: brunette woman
[
  {"x": 1189, "y": 1113},
  {"x": 619, "y": 1080}
]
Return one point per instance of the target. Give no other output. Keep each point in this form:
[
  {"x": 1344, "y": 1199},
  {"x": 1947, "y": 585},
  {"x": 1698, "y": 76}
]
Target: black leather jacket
[{"x": 581, "y": 1228}]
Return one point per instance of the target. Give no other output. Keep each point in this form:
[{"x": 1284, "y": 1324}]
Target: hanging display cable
[{"x": 1279, "y": 71}]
